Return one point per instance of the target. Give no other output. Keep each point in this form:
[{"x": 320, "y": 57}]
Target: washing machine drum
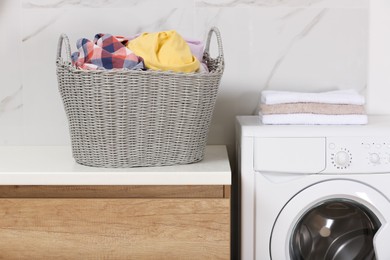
[{"x": 334, "y": 230}]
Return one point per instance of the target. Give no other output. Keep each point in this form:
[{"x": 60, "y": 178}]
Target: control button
[
  {"x": 374, "y": 158},
  {"x": 332, "y": 146},
  {"x": 342, "y": 158}
]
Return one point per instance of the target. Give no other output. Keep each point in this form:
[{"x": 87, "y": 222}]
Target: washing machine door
[{"x": 333, "y": 220}]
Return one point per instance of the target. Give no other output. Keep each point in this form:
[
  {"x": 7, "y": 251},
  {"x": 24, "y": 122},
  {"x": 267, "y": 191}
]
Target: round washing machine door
[{"x": 333, "y": 220}]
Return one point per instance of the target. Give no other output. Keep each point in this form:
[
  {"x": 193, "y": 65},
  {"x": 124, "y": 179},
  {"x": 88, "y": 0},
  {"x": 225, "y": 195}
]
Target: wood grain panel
[
  {"x": 227, "y": 191},
  {"x": 114, "y": 228},
  {"x": 134, "y": 191}
]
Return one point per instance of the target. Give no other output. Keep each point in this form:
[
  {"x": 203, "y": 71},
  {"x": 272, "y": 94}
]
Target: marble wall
[
  {"x": 378, "y": 81},
  {"x": 304, "y": 45}
]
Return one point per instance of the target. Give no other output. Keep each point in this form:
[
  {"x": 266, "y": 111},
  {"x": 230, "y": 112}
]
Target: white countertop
[{"x": 54, "y": 165}]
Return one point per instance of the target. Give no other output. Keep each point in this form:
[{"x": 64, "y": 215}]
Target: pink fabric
[{"x": 105, "y": 52}]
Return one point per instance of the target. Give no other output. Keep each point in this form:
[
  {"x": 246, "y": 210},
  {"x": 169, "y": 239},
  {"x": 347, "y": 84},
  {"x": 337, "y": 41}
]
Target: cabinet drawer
[{"x": 124, "y": 228}]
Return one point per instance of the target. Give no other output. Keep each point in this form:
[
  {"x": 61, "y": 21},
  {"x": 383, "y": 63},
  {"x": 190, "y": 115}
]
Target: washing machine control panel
[{"x": 357, "y": 155}]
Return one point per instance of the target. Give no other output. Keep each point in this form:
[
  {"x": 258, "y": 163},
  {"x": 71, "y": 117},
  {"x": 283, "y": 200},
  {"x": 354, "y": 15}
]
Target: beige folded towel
[
  {"x": 313, "y": 119},
  {"x": 313, "y": 108}
]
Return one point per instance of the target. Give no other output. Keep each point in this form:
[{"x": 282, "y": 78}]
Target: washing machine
[{"x": 314, "y": 191}]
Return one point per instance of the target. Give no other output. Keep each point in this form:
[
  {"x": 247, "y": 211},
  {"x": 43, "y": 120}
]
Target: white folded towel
[
  {"x": 313, "y": 119},
  {"x": 349, "y": 96}
]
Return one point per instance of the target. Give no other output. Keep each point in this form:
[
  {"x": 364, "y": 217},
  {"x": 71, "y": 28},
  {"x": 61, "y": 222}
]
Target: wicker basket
[{"x": 128, "y": 118}]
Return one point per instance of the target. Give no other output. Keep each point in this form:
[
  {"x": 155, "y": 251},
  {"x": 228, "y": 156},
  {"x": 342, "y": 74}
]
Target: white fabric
[
  {"x": 313, "y": 119},
  {"x": 349, "y": 96}
]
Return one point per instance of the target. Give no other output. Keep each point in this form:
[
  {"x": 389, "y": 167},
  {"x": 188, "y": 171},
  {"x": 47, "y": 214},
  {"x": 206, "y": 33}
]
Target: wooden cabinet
[{"x": 143, "y": 221}]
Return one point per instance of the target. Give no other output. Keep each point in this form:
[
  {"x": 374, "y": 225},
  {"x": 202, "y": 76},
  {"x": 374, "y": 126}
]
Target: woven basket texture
[{"x": 129, "y": 118}]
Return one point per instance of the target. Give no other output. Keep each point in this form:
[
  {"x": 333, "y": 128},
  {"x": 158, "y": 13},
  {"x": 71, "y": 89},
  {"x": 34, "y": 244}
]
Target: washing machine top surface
[{"x": 378, "y": 125}]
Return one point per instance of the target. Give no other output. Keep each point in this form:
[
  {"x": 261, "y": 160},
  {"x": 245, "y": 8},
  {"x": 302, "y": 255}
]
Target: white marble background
[{"x": 305, "y": 45}]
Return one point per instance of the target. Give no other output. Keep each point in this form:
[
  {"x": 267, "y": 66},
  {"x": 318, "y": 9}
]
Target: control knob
[
  {"x": 342, "y": 159},
  {"x": 374, "y": 158}
]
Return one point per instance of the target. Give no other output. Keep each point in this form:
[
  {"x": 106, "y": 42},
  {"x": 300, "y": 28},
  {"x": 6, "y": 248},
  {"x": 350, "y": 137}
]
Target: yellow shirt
[{"x": 165, "y": 50}]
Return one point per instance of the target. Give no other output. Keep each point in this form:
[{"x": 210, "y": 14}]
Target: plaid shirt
[{"x": 105, "y": 52}]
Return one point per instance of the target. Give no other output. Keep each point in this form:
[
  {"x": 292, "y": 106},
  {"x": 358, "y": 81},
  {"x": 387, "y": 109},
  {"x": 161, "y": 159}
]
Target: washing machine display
[
  {"x": 314, "y": 192},
  {"x": 364, "y": 154},
  {"x": 335, "y": 229}
]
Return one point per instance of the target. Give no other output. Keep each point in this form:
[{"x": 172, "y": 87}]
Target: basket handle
[
  {"x": 214, "y": 30},
  {"x": 64, "y": 40}
]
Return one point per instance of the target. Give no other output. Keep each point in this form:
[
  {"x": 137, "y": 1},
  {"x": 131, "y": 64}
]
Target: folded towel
[
  {"x": 349, "y": 96},
  {"x": 313, "y": 119},
  {"x": 312, "y": 108}
]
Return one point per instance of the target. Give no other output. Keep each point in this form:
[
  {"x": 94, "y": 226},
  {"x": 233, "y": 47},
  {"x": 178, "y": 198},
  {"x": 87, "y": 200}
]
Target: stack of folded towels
[{"x": 340, "y": 107}]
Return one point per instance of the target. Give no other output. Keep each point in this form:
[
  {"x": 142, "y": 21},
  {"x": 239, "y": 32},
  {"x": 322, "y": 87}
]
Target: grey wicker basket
[{"x": 128, "y": 118}]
